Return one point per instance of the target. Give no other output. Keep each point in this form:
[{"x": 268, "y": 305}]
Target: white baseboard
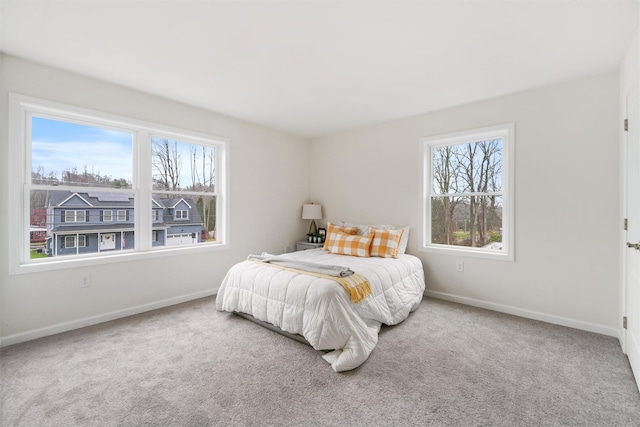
[
  {"x": 529, "y": 314},
  {"x": 105, "y": 317}
]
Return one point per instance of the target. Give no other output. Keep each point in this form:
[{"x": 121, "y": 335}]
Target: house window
[
  {"x": 154, "y": 236},
  {"x": 182, "y": 214},
  {"x": 73, "y": 165},
  {"x": 468, "y": 193},
  {"x": 70, "y": 241},
  {"x": 75, "y": 216},
  {"x": 107, "y": 216}
]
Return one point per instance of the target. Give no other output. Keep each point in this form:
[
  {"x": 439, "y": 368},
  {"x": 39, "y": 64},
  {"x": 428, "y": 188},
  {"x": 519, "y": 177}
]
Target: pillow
[
  {"x": 352, "y": 244},
  {"x": 385, "y": 243},
  {"x": 364, "y": 229},
  {"x": 402, "y": 246},
  {"x": 332, "y": 230}
]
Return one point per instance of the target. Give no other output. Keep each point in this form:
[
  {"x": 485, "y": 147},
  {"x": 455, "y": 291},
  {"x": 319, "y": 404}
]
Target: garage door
[{"x": 179, "y": 239}]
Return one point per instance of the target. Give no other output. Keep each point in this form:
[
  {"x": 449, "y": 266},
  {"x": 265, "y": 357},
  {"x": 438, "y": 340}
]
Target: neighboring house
[{"x": 79, "y": 223}]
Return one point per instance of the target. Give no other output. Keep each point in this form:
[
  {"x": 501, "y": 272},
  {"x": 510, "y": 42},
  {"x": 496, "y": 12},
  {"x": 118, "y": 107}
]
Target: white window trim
[
  {"x": 73, "y": 240},
  {"x": 104, "y": 215},
  {"x": 123, "y": 216},
  {"x": 181, "y": 214},
  {"x": 76, "y": 241},
  {"x": 74, "y": 218},
  {"x": 19, "y": 173},
  {"x": 507, "y": 132}
]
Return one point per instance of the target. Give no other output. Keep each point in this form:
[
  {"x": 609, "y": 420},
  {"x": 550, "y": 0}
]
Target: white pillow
[{"x": 402, "y": 246}]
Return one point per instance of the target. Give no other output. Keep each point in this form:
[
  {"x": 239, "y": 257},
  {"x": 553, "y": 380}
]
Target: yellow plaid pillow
[
  {"x": 332, "y": 231},
  {"x": 385, "y": 243},
  {"x": 352, "y": 244}
]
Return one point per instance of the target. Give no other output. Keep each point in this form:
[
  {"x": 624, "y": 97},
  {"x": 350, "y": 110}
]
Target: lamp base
[{"x": 313, "y": 229}]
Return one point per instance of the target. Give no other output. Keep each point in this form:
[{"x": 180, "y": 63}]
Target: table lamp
[{"x": 312, "y": 212}]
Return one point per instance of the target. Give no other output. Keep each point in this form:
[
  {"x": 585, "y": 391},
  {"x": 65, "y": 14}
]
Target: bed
[{"x": 318, "y": 308}]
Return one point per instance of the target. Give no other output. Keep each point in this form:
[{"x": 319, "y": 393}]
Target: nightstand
[{"x": 302, "y": 246}]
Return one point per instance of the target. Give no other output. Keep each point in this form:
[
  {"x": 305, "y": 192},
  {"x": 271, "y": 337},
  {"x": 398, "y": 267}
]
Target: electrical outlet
[
  {"x": 86, "y": 282},
  {"x": 459, "y": 266},
  {"x": 286, "y": 249}
]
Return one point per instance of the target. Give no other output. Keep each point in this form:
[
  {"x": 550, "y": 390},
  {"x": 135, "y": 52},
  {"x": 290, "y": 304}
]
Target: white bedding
[{"x": 320, "y": 309}]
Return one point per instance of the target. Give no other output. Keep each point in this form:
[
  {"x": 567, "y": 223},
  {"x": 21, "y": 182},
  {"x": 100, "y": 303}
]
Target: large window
[
  {"x": 75, "y": 170},
  {"x": 468, "y": 193}
]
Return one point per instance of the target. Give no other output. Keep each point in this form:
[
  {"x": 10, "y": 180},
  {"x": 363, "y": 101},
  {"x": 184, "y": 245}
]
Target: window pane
[
  {"x": 183, "y": 219},
  {"x": 38, "y": 223},
  {"x": 183, "y": 166},
  {"x": 468, "y": 168},
  {"x": 474, "y": 221},
  {"x": 65, "y": 153},
  {"x": 66, "y": 222}
]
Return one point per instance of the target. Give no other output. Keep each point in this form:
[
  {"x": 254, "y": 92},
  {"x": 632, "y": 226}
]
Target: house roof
[{"x": 315, "y": 67}]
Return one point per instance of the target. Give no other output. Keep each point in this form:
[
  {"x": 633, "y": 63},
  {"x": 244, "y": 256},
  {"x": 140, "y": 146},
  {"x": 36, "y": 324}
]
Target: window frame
[
  {"x": 427, "y": 144},
  {"x": 22, "y": 108},
  {"x": 104, "y": 215},
  {"x": 71, "y": 237},
  {"x": 74, "y": 217},
  {"x": 76, "y": 241},
  {"x": 123, "y": 217}
]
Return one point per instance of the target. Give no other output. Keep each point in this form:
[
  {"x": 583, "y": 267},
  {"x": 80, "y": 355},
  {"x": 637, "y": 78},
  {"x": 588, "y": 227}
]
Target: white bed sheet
[{"x": 320, "y": 309}]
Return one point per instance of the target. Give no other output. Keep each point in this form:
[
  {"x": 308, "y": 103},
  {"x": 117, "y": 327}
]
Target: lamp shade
[{"x": 311, "y": 211}]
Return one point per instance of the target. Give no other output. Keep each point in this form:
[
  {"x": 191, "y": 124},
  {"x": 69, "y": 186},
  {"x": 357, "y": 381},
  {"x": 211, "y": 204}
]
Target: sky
[{"x": 58, "y": 146}]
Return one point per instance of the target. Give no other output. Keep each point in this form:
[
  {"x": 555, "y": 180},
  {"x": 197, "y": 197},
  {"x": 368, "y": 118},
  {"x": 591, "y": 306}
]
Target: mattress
[{"x": 319, "y": 309}]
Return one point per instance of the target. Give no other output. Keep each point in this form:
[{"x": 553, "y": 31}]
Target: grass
[{"x": 35, "y": 255}]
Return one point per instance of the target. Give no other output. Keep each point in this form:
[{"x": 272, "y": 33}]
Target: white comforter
[{"x": 320, "y": 309}]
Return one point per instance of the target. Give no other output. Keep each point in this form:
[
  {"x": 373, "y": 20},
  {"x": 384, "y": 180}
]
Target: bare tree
[
  {"x": 446, "y": 171},
  {"x": 482, "y": 166},
  {"x": 167, "y": 163}
]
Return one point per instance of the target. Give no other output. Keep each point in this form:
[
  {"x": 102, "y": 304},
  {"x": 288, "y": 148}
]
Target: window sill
[
  {"x": 468, "y": 252},
  {"x": 71, "y": 261}
]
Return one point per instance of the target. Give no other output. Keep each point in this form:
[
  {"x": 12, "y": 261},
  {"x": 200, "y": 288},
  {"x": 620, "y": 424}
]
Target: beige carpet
[{"x": 189, "y": 365}]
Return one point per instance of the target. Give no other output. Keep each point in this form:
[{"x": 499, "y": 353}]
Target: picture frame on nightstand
[{"x": 323, "y": 234}]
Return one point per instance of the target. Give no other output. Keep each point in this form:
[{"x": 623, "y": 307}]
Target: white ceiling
[{"x": 315, "y": 68}]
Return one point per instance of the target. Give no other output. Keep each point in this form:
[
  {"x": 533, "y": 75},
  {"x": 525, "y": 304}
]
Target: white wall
[
  {"x": 567, "y": 204},
  {"x": 268, "y": 185}
]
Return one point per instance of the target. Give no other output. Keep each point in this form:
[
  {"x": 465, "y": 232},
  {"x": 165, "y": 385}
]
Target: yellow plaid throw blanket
[{"x": 356, "y": 285}]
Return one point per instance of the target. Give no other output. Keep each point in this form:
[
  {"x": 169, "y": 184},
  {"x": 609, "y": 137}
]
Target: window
[
  {"x": 74, "y": 216},
  {"x": 468, "y": 193},
  {"x": 75, "y": 167},
  {"x": 191, "y": 198},
  {"x": 70, "y": 241},
  {"x": 107, "y": 216}
]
